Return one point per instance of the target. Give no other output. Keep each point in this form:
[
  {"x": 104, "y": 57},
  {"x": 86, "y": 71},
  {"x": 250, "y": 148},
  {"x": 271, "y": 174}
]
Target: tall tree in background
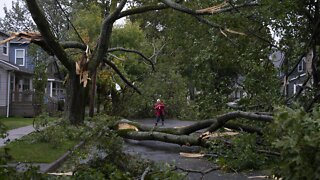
[
  {"x": 213, "y": 59},
  {"x": 113, "y": 11},
  {"x": 297, "y": 25}
]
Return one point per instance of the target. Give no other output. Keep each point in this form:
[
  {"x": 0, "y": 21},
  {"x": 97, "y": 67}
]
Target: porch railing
[{"x": 22, "y": 97}]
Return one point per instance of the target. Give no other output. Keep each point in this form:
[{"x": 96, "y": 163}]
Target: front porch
[{"x": 21, "y": 104}]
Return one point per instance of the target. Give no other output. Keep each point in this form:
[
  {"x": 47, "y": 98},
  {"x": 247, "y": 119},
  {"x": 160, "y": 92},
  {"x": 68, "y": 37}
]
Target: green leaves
[{"x": 296, "y": 136}]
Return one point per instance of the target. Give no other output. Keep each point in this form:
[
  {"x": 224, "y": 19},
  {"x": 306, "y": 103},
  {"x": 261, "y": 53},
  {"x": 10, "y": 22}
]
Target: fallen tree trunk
[
  {"x": 213, "y": 124},
  {"x": 134, "y": 130},
  {"x": 223, "y": 119},
  {"x": 164, "y": 137},
  {"x": 176, "y": 131}
]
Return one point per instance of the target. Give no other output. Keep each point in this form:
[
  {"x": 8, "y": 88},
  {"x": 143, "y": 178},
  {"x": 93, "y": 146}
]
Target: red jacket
[{"x": 159, "y": 108}]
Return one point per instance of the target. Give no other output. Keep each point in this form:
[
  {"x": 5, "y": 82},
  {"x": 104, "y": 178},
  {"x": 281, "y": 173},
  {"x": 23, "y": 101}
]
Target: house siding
[
  {"x": 3, "y": 56},
  {"x": 28, "y": 60},
  {"x": 297, "y": 78},
  {"x": 3, "y": 87},
  {"x": 3, "y": 110},
  {"x": 22, "y": 110},
  {"x": 3, "y": 92}
]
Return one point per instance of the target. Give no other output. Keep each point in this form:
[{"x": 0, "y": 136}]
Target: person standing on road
[{"x": 159, "y": 111}]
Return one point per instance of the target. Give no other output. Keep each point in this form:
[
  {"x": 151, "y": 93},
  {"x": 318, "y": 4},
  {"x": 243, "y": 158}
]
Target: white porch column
[
  {"x": 50, "y": 88},
  {"x": 8, "y": 97}
]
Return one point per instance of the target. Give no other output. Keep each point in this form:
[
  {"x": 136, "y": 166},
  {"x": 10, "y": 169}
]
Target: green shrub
[
  {"x": 242, "y": 154},
  {"x": 164, "y": 171},
  {"x": 296, "y": 135},
  {"x": 41, "y": 121}
]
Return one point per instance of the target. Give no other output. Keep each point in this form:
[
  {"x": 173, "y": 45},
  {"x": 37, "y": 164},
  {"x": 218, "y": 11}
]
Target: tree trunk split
[{"x": 75, "y": 104}]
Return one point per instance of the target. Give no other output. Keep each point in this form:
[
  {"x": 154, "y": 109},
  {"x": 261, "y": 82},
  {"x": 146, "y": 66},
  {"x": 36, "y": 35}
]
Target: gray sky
[
  {"x": 4, "y": 3},
  {"x": 8, "y": 4}
]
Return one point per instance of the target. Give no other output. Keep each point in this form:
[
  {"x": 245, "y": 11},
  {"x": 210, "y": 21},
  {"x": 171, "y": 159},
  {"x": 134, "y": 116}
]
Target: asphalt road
[{"x": 170, "y": 153}]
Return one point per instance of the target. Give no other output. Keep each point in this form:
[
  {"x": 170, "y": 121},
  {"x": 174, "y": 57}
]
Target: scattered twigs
[
  {"x": 240, "y": 127},
  {"x": 202, "y": 172},
  {"x": 269, "y": 152}
]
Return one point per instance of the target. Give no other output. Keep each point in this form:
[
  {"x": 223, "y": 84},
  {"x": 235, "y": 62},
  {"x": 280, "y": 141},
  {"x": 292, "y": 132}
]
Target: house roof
[
  {"x": 277, "y": 58},
  {"x": 16, "y": 40},
  {"x": 12, "y": 67},
  {"x": 3, "y": 33}
]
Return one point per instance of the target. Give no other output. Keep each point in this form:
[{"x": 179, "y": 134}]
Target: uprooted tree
[{"x": 79, "y": 73}]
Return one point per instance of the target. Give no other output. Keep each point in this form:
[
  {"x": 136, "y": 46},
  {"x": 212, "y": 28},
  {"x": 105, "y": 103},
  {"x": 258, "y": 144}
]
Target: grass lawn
[
  {"x": 16, "y": 122},
  {"x": 25, "y": 151}
]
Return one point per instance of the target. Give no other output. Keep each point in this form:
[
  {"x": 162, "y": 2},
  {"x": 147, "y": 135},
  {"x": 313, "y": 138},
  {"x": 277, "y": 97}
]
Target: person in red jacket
[{"x": 159, "y": 110}]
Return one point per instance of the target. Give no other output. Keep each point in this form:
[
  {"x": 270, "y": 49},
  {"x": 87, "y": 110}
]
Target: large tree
[{"x": 113, "y": 10}]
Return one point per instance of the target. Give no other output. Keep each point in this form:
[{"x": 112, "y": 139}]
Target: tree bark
[
  {"x": 169, "y": 138},
  {"x": 75, "y": 102},
  {"x": 92, "y": 94},
  {"x": 211, "y": 124},
  {"x": 182, "y": 135}
]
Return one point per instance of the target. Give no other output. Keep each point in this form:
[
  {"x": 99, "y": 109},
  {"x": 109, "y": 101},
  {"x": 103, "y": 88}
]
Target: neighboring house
[
  {"x": 15, "y": 79},
  {"x": 16, "y": 73},
  {"x": 55, "y": 88},
  {"x": 238, "y": 91},
  {"x": 292, "y": 84},
  {"x": 296, "y": 79}
]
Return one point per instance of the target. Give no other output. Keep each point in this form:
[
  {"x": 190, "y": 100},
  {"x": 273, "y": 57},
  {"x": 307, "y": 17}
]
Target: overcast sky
[{"x": 4, "y": 3}]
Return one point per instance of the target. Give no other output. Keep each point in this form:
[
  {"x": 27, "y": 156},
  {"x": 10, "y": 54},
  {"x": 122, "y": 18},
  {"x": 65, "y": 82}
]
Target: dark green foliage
[
  {"x": 296, "y": 135},
  {"x": 40, "y": 77},
  {"x": 165, "y": 84},
  {"x": 107, "y": 160},
  {"x": 241, "y": 154},
  {"x": 3, "y": 130},
  {"x": 30, "y": 173},
  {"x": 41, "y": 121}
]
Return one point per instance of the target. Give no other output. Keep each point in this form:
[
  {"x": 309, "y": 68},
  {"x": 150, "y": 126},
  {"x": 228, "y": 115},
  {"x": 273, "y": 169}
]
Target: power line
[{"x": 65, "y": 14}]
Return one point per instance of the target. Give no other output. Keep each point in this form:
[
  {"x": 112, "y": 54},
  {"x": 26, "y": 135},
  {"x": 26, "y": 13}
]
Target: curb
[{"x": 57, "y": 163}]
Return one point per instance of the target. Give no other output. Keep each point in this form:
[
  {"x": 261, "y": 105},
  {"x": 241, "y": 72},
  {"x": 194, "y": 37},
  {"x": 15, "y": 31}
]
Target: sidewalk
[{"x": 16, "y": 134}]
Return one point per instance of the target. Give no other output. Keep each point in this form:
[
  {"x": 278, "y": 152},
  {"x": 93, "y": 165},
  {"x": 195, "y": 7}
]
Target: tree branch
[
  {"x": 43, "y": 26},
  {"x": 105, "y": 34},
  {"x": 132, "y": 51},
  {"x": 142, "y": 10},
  {"x": 163, "y": 137},
  {"x": 124, "y": 79},
  {"x": 223, "y": 119},
  {"x": 73, "y": 45},
  {"x": 220, "y": 120},
  {"x": 183, "y": 9},
  {"x": 176, "y": 131},
  {"x": 240, "y": 127},
  {"x": 114, "y": 16}
]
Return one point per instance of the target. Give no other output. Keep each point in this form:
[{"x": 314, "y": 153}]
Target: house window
[
  {"x": 5, "y": 48},
  {"x": 26, "y": 85},
  {"x": 20, "y": 57},
  {"x": 300, "y": 65},
  {"x": 296, "y": 88}
]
